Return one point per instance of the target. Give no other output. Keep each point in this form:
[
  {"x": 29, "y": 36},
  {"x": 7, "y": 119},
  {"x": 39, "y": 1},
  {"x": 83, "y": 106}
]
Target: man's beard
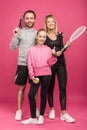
[{"x": 29, "y": 26}]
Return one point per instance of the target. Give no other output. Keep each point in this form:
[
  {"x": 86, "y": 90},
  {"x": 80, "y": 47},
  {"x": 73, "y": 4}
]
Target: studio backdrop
[{"x": 70, "y": 15}]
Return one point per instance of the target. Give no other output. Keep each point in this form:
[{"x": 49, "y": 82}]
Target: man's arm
[{"x": 16, "y": 39}]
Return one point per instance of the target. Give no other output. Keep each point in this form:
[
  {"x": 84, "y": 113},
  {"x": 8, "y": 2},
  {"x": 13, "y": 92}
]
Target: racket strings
[
  {"x": 21, "y": 23},
  {"x": 77, "y": 33}
]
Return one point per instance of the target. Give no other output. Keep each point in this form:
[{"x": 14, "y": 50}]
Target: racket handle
[
  {"x": 64, "y": 48},
  {"x": 20, "y": 23},
  {"x": 15, "y": 31}
]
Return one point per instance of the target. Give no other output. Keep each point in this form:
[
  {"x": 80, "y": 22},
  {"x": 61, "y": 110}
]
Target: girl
[
  {"x": 40, "y": 60},
  {"x": 55, "y": 42}
]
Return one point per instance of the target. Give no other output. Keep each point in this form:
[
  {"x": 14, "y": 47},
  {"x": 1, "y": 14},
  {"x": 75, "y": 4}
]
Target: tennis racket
[
  {"x": 77, "y": 33},
  {"x": 20, "y": 23}
]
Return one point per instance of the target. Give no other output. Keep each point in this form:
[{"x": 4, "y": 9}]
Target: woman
[
  {"x": 55, "y": 42},
  {"x": 40, "y": 60}
]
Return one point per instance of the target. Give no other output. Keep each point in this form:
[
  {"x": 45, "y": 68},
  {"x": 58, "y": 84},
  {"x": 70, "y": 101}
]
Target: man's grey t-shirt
[{"x": 24, "y": 40}]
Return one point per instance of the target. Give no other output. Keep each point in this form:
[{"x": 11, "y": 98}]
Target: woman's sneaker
[
  {"x": 40, "y": 120},
  {"x": 30, "y": 121},
  {"x": 18, "y": 115},
  {"x": 66, "y": 117},
  {"x": 52, "y": 114}
]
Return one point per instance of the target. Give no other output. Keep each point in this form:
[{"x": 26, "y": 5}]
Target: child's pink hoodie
[{"x": 40, "y": 60}]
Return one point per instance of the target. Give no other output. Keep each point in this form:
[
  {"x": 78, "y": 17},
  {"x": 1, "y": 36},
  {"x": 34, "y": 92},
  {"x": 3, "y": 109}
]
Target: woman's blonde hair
[{"x": 45, "y": 23}]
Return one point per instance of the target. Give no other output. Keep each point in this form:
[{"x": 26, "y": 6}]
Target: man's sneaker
[
  {"x": 30, "y": 121},
  {"x": 18, "y": 115},
  {"x": 37, "y": 113},
  {"x": 52, "y": 114},
  {"x": 66, "y": 117},
  {"x": 40, "y": 120}
]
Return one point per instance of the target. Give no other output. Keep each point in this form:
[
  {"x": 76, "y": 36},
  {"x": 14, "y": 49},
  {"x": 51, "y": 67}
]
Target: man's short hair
[{"x": 30, "y": 11}]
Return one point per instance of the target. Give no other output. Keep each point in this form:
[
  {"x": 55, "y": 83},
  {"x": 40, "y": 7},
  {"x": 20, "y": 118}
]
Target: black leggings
[
  {"x": 61, "y": 72},
  {"x": 44, "y": 82}
]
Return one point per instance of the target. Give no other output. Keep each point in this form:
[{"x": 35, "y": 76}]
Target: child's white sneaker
[
  {"x": 40, "y": 120},
  {"x": 66, "y": 117},
  {"x": 52, "y": 114},
  {"x": 30, "y": 121},
  {"x": 18, "y": 115}
]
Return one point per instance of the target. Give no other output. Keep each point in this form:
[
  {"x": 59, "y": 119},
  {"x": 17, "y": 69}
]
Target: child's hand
[{"x": 36, "y": 80}]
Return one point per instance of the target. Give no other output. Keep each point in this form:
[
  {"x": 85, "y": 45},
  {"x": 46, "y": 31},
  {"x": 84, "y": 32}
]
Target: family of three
[{"x": 40, "y": 60}]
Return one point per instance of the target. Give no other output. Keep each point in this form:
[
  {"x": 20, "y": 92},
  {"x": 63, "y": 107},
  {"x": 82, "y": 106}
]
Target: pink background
[{"x": 70, "y": 15}]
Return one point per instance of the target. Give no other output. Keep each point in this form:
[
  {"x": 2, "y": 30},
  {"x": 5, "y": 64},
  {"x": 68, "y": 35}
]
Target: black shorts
[{"x": 21, "y": 75}]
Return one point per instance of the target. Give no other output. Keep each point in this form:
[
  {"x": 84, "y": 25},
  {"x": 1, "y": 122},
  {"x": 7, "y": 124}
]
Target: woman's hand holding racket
[{"x": 58, "y": 53}]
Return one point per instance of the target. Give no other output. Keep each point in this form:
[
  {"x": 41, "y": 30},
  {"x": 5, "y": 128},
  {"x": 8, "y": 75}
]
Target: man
[{"x": 23, "y": 39}]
